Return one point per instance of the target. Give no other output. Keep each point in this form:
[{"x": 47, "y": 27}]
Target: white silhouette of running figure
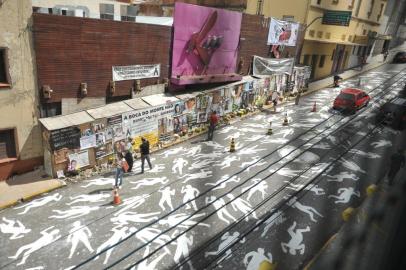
[
  {"x": 127, "y": 217},
  {"x": 178, "y": 164},
  {"x": 252, "y": 164},
  {"x": 227, "y": 162},
  {"x": 296, "y": 240},
  {"x": 293, "y": 202},
  {"x": 211, "y": 155},
  {"x": 351, "y": 165},
  {"x": 254, "y": 138},
  {"x": 275, "y": 219},
  {"x": 119, "y": 233},
  {"x": 235, "y": 135},
  {"x": 167, "y": 192},
  {"x": 157, "y": 168},
  {"x": 341, "y": 176},
  {"x": 153, "y": 235},
  {"x": 286, "y": 132},
  {"x": 144, "y": 265},
  {"x": 253, "y": 259},
  {"x": 78, "y": 234},
  {"x": 89, "y": 198},
  {"x": 46, "y": 239},
  {"x": 39, "y": 202},
  {"x": 214, "y": 144},
  {"x": 223, "y": 181},
  {"x": 74, "y": 212},
  {"x": 250, "y": 150},
  {"x": 99, "y": 182},
  {"x": 194, "y": 151},
  {"x": 200, "y": 164},
  {"x": 381, "y": 143},
  {"x": 200, "y": 175},
  {"x": 226, "y": 130},
  {"x": 227, "y": 239},
  {"x": 171, "y": 152},
  {"x": 345, "y": 195},
  {"x": 221, "y": 210},
  {"x": 150, "y": 182},
  {"x": 241, "y": 205},
  {"x": 183, "y": 220},
  {"x": 256, "y": 187},
  {"x": 132, "y": 202},
  {"x": 311, "y": 187},
  {"x": 182, "y": 248},
  {"x": 190, "y": 194},
  {"x": 13, "y": 227}
]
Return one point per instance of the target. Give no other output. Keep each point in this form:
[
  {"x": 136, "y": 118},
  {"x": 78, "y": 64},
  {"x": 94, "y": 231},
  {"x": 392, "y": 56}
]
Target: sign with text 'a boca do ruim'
[{"x": 135, "y": 72}]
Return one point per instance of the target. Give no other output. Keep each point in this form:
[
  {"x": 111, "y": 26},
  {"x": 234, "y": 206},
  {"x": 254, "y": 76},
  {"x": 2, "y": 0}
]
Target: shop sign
[{"x": 135, "y": 72}]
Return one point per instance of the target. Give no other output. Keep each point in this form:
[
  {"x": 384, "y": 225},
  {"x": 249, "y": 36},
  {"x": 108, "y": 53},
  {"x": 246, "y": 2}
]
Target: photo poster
[
  {"x": 79, "y": 160},
  {"x": 100, "y": 139},
  {"x": 99, "y": 126},
  {"x": 179, "y": 108},
  {"x": 104, "y": 150},
  {"x": 115, "y": 129},
  {"x": 61, "y": 155},
  {"x": 201, "y": 117},
  {"x": 227, "y": 100},
  {"x": 190, "y": 106},
  {"x": 180, "y": 124},
  {"x": 87, "y": 142},
  {"x": 236, "y": 94},
  {"x": 282, "y": 32},
  {"x": 217, "y": 102}
]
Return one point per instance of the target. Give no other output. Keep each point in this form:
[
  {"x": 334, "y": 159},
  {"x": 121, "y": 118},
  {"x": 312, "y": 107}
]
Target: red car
[{"x": 350, "y": 100}]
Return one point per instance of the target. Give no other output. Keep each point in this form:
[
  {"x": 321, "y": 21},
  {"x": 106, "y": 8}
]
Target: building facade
[{"x": 20, "y": 135}]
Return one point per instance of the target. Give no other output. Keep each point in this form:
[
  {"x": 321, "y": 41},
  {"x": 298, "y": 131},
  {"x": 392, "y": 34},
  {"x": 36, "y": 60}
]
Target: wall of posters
[{"x": 282, "y": 33}]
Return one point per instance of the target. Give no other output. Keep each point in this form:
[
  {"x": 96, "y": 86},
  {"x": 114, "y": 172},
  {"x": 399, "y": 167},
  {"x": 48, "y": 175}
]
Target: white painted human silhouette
[
  {"x": 250, "y": 150},
  {"x": 74, "y": 212},
  {"x": 253, "y": 125},
  {"x": 46, "y": 239},
  {"x": 13, "y": 227},
  {"x": 342, "y": 176},
  {"x": 78, "y": 234},
  {"x": 213, "y": 144},
  {"x": 152, "y": 265},
  {"x": 285, "y": 132},
  {"x": 183, "y": 220},
  {"x": 364, "y": 154},
  {"x": 223, "y": 181},
  {"x": 157, "y": 168},
  {"x": 126, "y": 217},
  {"x": 252, "y": 260},
  {"x": 235, "y": 135},
  {"x": 294, "y": 203},
  {"x": 193, "y": 151},
  {"x": 182, "y": 248},
  {"x": 200, "y": 175},
  {"x": 89, "y": 198},
  {"x": 272, "y": 140},
  {"x": 296, "y": 240},
  {"x": 39, "y": 202},
  {"x": 148, "y": 235},
  {"x": 119, "y": 233},
  {"x": 254, "y": 138},
  {"x": 190, "y": 194},
  {"x": 211, "y": 156},
  {"x": 241, "y": 205},
  {"x": 252, "y": 130},
  {"x": 257, "y": 186},
  {"x": 320, "y": 145},
  {"x": 255, "y": 162},
  {"x": 201, "y": 164},
  {"x": 221, "y": 212},
  {"x": 178, "y": 164},
  {"x": 150, "y": 182},
  {"x": 311, "y": 187},
  {"x": 227, "y": 162},
  {"x": 351, "y": 165},
  {"x": 172, "y": 152},
  {"x": 226, "y": 129},
  {"x": 381, "y": 143},
  {"x": 288, "y": 172},
  {"x": 276, "y": 218},
  {"x": 167, "y": 192},
  {"x": 99, "y": 182},
  {"x": 132, "y": 202},
  {"x": 345, "y": 195},
  {"x": 227, "y": 239}
]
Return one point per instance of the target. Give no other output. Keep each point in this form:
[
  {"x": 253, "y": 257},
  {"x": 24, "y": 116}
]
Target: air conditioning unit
[{"x": 47, "y": 91}]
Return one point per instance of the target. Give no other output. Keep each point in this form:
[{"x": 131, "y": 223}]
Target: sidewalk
[{"x": 27, "y": 186}]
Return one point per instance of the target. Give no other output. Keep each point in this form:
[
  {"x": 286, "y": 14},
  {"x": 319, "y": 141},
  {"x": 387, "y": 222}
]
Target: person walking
[
  {"x": 129, "y": 154},
  {"x": 336, "y": 79},
  {"x": 119, "y": 170},
  {"x": 385, "y": 55},
  {"x": 144, "y": 150},
  {"x": 213, "y": 122},
  {"x": 397, "y": 161},
  {"x": 275, "y": 99}
]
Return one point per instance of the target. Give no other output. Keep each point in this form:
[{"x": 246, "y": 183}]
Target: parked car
[
  {"x": 400, "y": 57},
  {"x": 350, "y": 100},
  {"x": 393, "y": 113}
]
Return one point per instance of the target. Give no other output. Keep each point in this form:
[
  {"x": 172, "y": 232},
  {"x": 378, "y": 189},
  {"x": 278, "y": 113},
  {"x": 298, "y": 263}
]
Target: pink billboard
[{"x": 205, "y": 44}]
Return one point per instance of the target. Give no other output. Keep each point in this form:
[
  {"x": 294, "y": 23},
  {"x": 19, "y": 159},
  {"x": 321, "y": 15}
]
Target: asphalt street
[{"x": 277, "y": 198}]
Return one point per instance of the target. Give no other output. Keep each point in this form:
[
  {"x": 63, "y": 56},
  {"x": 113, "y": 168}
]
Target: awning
[
  {"x": 68, "y": 120},
  {"x": 137, "y": 103},
  {"x": 159, "y": 99},
  {"x": 109, "y": 110},
  {"x": 187, "y": 96}
]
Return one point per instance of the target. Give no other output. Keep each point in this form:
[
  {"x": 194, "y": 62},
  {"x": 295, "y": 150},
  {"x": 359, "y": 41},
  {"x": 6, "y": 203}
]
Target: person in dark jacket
[
  {"x": 213, "y": 123},
  {"x": 397, "y": 160},
  {"x": 144, "y": 150},
  {"x": 336, "y": 80},
  {"x": 129, "y": 154}
]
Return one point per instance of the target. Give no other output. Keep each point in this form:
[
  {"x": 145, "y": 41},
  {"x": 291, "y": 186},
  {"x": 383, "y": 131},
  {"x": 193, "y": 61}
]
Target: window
[
  {"x": 353, "y": 49},
  {"x": 319, "y": 34},
  {"x": 318, "y": 2},
  {"x": 107, "y": 11},
  {"x": 4, "y": 75},
  {"x": 7, "y": 144},
  {"x": 380, "y": 12},
  {"x": 128, "y": 13},
  {"x": 358, "y": 8},
  {"x": 64, "y": 12},
  {"x": 288, "y": 18},
  {"x": 343, "y": 37},
  {"x": 306, "y": 59},
  {"x": 311, "y": 33},
  {"x": 50, "y": 11},
  {"x": 349, "y": 38},
  {"x": 322, "y": 60},
  {"x": 371, "y": 7},
  {"x": 328, "y": 35}
]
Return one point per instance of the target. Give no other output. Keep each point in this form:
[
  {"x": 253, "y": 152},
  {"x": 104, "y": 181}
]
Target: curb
[{"x": 32, "y": 195}]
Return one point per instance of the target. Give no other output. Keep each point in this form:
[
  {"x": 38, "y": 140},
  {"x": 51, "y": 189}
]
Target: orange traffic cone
[
  {"x": 116, "y": 197},
  {"x": 314, "y": 109}
]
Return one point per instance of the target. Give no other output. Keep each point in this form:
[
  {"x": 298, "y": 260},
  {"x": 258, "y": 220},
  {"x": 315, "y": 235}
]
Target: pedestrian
[
  {"x": 275, "y": 99},
  {"x": 144, "y": 150},
  {"x": 213, "y": 122},
  {"x": 297, "y": 98},
  {"x": 336, "y": 79},
  {"x": 119, "y": 170},
  {"x": 129, "y": 154},
  {"x": 397, "y": 161},
  {"x": 385, "y": 55}
]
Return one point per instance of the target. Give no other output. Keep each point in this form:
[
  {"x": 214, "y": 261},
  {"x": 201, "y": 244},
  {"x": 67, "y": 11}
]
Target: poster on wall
[
  {"x": 79, "y": 160},
  {"x": 87, "y": 142},
  {"x": 61, "y": 155},
  {"x": 104, "y": 150},
  {"x": 65, "y": 138},
  {"x": 100, "y": 139},
  {"x": 179, "y": 108},
  {"x": 98, "y": 126},
  {"x": 115, "y": 128},
  {"x": 272, "y": 66},
  {"x": 227, "y": 101},
  {"x": 135, "y": 72},
  {"x": 282, "y": 32},
  {"x": 190, "y": 105},
  {"x": 236, "y": 95},
  {"x": 202, "y": 117}
]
